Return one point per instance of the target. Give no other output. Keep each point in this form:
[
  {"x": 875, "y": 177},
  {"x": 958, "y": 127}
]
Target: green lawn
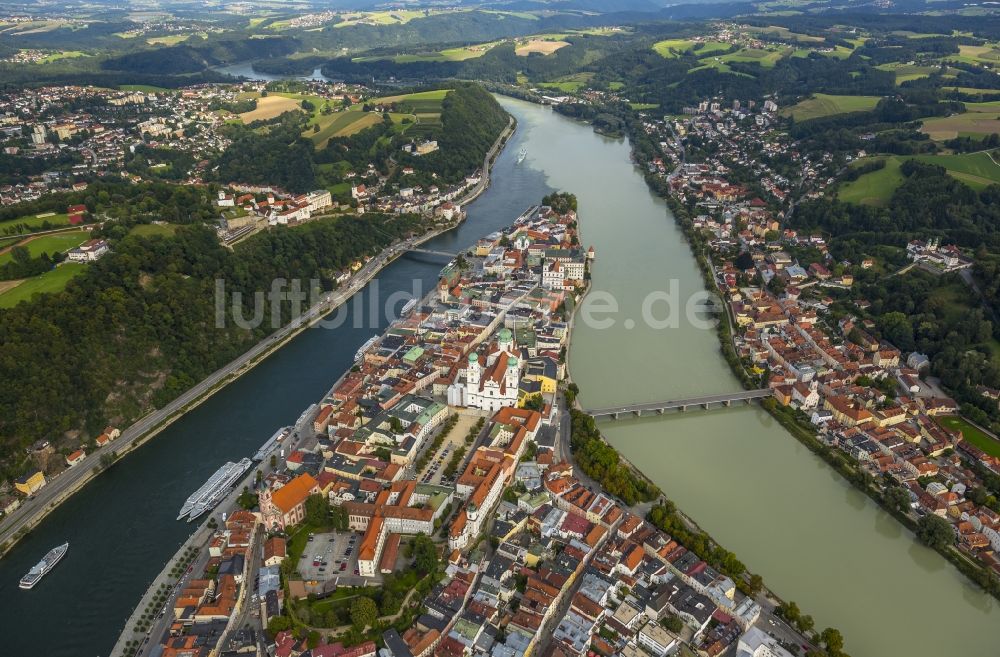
[
  {"x": 977, "y": 437},
  {"x": 50, "y": 281},
  {"x": 51, "y": 244},
  {"x": 873, "y": 188},
  {"x": 820, "y": 105}
]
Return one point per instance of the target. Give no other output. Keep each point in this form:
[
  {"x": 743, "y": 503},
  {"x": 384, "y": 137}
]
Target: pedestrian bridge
[{"x": 725, "y": 399}]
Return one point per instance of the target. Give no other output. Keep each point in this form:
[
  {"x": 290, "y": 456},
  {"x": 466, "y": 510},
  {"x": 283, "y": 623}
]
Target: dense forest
[{"x": 137, "y": 328}]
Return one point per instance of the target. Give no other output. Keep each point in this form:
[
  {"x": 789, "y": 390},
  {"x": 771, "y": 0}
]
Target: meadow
[
  {"x": 820, "y": 105},
  {"x": 50, "y": 281}
]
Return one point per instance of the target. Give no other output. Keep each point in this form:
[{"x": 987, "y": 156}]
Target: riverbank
[{"x": 29, "y": 515}]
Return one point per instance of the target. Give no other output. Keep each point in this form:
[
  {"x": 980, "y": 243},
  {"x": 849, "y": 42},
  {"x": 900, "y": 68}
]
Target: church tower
[
  {"x": 505, "y": 340},
  {"x": 512, "y": 374},
  {"x": 473, "y": 372}
]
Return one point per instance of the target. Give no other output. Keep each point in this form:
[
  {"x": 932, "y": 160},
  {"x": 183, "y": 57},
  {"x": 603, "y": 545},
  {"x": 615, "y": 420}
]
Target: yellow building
[{"x": 30, "y": 483}]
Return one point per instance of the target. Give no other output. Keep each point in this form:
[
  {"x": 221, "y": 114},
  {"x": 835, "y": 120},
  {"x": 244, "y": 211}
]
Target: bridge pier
[
  {"x": 705, "y": 406},
  {"x": 614, "y": 415},
  {"x": 683, "y": 407},
  {"x": 728, "y": 402}
]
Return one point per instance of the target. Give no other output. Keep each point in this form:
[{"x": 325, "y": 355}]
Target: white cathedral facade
[{"x": 493, "y": 385}]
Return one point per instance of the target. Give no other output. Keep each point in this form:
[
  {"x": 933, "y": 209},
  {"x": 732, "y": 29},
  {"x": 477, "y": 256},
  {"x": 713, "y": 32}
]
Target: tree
[
  {"x": 364, "y": 612},
  {"x": 790, "y": 611},
  {"x": 247, "y": 499},
  {"x": 756, "y": 583},
  {"x": 832, "y": 639},
  {"x": 672, "y": 623},
  {"x": 317, "y": 510},
  {"x": 897, "y": 498},
  {"x": 935, "y": 532},
  {"x": 278, "y": 624},
  {"x": 744, "y": 261},
  {"x": 425, "y": 555}
]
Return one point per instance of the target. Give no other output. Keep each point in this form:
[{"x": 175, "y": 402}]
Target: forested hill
[
  {"x": 138, "y": 327},
  {"x": 471, "y": 120}
]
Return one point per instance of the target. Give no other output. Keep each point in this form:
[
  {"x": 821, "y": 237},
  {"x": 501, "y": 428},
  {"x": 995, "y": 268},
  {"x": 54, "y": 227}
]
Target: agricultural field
[
  {"x": 873, "y": 188},
  {"x": 970, "y": 124},
  {"x": 168, "y": 40},
  {"x": 459, "y": 54},
  {"x": 568, "y": 84},
  {"x": 34, "y": 222},
  {"x": 977, "y": 170},
  {"x": 907, "y": 72},
  {"x": 820, "y": 105},
  {"x": 977, "y": 437},
  {"x": 766, "y": 58},
  {"x": 270, "y": 107},
  {"x": 785, "y": 33},
  {"x": 427, "y": 98},
  {"x": 51, "y": 281},
  {"x": 50, "y": 244},
  {"x": 341, "y": 124},
  {"x": 976, "y": 55},
  {"x": 395, "y": 17},
  {"x": 542, "y": 46},
  {"x": 671, "y": 48},
  {"x": 63, "y": 54}
]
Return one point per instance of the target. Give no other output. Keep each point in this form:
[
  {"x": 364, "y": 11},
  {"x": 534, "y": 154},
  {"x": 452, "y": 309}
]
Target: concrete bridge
[{"x": 725, "y": 399}]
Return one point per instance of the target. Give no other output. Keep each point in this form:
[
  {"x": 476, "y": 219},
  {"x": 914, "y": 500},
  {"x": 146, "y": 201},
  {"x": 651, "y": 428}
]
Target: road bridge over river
[{"x": 706, "y": 402}]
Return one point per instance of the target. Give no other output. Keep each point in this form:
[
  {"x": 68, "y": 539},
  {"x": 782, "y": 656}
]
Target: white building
[
  {"x": 89, "y": 251},
  {"x": 494, "y": 386},
  {"x": 756, "y": 643}
]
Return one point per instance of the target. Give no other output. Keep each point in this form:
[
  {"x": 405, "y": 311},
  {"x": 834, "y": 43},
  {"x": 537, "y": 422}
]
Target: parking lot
[
  {"x": 330, "y": 555},
  {"x": 434, "y": 471}
]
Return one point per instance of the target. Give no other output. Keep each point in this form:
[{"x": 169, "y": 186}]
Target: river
[{"x": 814, "y": 539}]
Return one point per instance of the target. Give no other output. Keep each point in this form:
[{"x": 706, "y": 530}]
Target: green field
[
  {"x": 766, "y": 58},
  {"x": 976, "y": 123},
  {"x": 568, "y": 83},
  {"x": 51, "y": 244},
  {"x": 820, "y": 105},
  {"x": 148, "y": 230},
  {"x": 671, "y": 48},
  {"x": 873, "y": 188},
  {"x": 977, "y": 437},
  {"x": 50, "y": 281},
  {"x": 62, "y": 54},
  {"x": 341, "y": 124},
  {"x": 145, "y": 88},
  {"x": 907, "y": 72},
  {"x": 977, "y": 170},
  {"x": 435, "y": 95},
  {"x": 36, "y": 222}
]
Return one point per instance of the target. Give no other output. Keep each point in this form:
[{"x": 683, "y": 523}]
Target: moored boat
[{"x": 43, "y": 567}]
